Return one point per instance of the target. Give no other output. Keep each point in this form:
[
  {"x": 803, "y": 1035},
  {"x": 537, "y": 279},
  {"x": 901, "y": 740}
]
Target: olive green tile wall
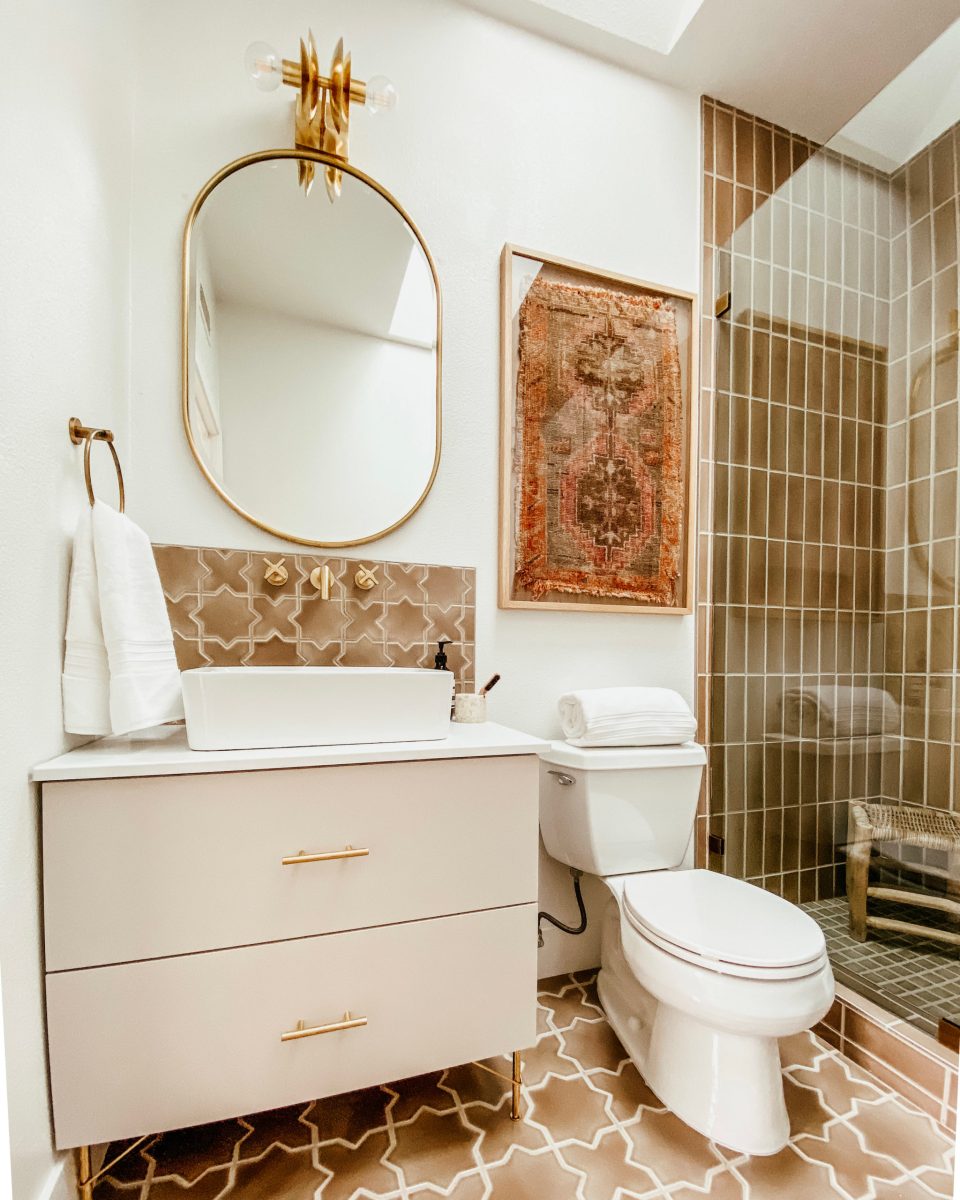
[
  {"x": 921, "y": 656},
  {"x": 792, "y": 492}
]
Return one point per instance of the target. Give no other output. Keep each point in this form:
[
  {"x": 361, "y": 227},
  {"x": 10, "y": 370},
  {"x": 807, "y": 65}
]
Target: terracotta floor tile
[
  {"x": 592, "y": 996},
  {"x": 351, "y": 1115},
  {"x": 802, "y": 1049},
  {"x": 435, "y": 1148},
  {"x": 209, "y": 1186},
  {"x": 500, "y": 1134},
  {"x": 545, "y": 1059},
  {"x": 628, "y": 1092},
  {"x": 853, "y": 1168},
  {"x": 532, "y": 1177},
  {"x": 569, "y": 1108},
  {"x": 475, "y": 1086},
  {"x": 130, "y": 1169},
  {"x": 671, "y": 1149},
  {"x": 351, "y": 1168},
  {"x": 938, "y": 1183},
  {"x": 594, "y": 1045},
  {"x": 470, "y": 1188},
  {"x": 187, "y": 1153},
  {"x": 786, "y": 1176},
  {"x": 805, "y": 1108},
  {"x": 542, "y": 1024},
  {"x": 906, "y": 1135},
  {"x": 446, "y": 1123},
  {"x": 419, "y": 1092},
  {"x": 723, "y": 1186},
  {"x": 278, "y": 1174},
  {"x": 569, "y": 1007},
  {"x": 287, "y": 1127},
  {"x": 907, "y": 1190},
  {"x": 839, "y": 1084},
  {"x": 607, "y": 1168}
]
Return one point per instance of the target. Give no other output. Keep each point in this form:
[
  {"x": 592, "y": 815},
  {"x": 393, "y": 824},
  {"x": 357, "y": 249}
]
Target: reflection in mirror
[{"x": 312, "y": 354}]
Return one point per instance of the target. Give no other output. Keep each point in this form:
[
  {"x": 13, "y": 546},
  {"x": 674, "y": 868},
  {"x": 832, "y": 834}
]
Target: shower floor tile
[
  {"x": 591, "y": 1130},
  {"x": 913, "y": 977}
]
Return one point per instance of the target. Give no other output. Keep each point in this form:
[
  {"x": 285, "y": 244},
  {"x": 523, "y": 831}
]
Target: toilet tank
[{"x": 613, "y": 811}]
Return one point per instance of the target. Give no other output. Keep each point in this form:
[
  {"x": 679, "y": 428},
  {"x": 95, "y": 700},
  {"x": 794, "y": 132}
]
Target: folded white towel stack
[
  {"x": 626, "y": 716},
  {"x": 838, "y": 711},
  {"x": 120, "y": 670}
]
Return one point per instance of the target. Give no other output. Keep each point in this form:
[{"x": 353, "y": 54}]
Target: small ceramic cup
[{"x": 470, "y": 708}]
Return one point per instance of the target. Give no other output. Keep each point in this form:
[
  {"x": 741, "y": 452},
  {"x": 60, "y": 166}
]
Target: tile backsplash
[{"x": 224, "y": 613}]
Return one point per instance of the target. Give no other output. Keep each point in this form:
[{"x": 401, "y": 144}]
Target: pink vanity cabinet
[{"x": 199, "y": 906}]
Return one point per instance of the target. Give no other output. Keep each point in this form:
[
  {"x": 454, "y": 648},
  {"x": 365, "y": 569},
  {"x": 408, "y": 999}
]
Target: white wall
[
  {"x": 64, "y": 223},
  {"x": 499, "y": 136}
]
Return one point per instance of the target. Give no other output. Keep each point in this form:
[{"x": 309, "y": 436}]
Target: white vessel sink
[{"x": 260, "y": 708}]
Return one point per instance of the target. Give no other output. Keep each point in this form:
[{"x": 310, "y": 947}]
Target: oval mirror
[{"x": 311, "y": 351}]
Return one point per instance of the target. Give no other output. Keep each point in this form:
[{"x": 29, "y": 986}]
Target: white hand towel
[
  {"x": 123, "y": 595},
  {"x": 86, "y": 676},
  {"x": 838, "y": 711},
  {"x": 626, "y": 716}
]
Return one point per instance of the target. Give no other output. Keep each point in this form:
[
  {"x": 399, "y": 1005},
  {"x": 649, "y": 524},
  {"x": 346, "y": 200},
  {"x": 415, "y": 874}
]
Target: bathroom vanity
[{"x": 233, "y": 931}]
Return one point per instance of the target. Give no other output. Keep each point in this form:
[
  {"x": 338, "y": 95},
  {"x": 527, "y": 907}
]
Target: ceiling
[
  {"x": 911, "y": 111},
  {"x": 808, "y": 65}
]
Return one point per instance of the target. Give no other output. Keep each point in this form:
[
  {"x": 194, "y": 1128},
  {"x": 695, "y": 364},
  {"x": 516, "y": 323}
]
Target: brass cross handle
[
  {"x": 366, "y": 578},
  {"x": 276, "y": 573}
]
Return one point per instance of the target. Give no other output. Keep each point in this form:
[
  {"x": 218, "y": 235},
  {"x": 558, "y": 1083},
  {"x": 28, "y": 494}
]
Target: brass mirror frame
[{"x": 325, "y": 160}]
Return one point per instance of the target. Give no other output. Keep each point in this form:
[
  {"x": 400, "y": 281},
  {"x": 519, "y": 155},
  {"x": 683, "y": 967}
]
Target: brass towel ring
[{"x": 88, "y": 435}]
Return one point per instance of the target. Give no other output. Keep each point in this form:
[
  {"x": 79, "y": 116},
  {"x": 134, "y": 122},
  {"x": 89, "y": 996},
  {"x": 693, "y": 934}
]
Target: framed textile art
[{"x": 597, "y": 421}]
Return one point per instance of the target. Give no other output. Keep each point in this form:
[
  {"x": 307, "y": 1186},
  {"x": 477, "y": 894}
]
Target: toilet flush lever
[{"x": 563, "y": 780}]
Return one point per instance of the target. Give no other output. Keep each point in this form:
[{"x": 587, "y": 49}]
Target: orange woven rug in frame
[{"x": 598, "y": 455}]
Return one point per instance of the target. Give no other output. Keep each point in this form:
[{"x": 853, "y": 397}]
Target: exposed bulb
[
  {"x": 264, "y": 66},
  {"x": 381, "y": 94}
]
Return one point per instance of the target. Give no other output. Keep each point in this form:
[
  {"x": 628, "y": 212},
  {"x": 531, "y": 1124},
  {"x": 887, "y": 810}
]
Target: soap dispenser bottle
[{"x": 440, "y": 664}]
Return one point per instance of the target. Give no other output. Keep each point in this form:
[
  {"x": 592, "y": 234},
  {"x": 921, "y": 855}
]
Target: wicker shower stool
[{"x": 928, "y": 829}]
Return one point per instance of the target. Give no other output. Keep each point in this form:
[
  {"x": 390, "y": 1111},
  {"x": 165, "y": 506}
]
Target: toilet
[{"x": 700, "y": 973}]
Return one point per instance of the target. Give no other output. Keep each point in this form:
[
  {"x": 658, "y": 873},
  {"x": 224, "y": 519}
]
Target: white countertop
[{"x": 164, "y": 751}]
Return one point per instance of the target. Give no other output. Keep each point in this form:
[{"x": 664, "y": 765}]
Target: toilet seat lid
[{"x": 722, "y": 920}]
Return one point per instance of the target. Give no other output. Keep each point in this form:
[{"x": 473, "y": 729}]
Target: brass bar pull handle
[
  {"x": 302, "y": 857},
  {"x": 348, "y": 1022}
]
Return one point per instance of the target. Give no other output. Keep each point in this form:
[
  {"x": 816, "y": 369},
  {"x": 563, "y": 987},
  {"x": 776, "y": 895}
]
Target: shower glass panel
[{"x": 834, "y": 715}]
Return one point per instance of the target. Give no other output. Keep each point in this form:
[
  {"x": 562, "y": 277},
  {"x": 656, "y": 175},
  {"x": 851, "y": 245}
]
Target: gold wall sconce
[
  {"x": 322, "y": 580},
  {"x": 322, "y": 119},
  {"x": 365, "y": 578},
  {"x": 276, "y": 573}
]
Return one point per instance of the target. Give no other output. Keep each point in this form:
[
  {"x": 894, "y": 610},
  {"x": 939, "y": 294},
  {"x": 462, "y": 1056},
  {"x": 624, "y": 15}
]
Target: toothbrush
[{"x": 490, "y": 685}]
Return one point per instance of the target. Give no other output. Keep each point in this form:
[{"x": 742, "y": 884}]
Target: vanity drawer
[
  {"x": 143, "y": 1047},
  {"x": 142, "y": 868}
]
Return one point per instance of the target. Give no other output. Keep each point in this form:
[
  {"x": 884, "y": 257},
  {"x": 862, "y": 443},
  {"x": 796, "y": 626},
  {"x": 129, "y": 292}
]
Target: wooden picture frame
[{"x": 514, "y": 288}]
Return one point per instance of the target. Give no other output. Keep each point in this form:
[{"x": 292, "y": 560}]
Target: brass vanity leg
[
  {"x": 87, "y": 1177},
  {"x": 84, "y": 1173},
  {"x": 515, "y": 1079}
]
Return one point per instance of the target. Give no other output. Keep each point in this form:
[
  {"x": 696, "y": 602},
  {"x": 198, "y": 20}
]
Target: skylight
[{"x": 651, "y": 23}]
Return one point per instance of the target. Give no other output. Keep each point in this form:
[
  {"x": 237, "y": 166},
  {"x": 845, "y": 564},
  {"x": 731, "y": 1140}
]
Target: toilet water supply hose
[{"x": 574, "y": 929}]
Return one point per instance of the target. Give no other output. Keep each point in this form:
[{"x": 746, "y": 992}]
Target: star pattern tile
[
  {"x": 224, "y": 613},
  {"x": 591, "y": 1130}
]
